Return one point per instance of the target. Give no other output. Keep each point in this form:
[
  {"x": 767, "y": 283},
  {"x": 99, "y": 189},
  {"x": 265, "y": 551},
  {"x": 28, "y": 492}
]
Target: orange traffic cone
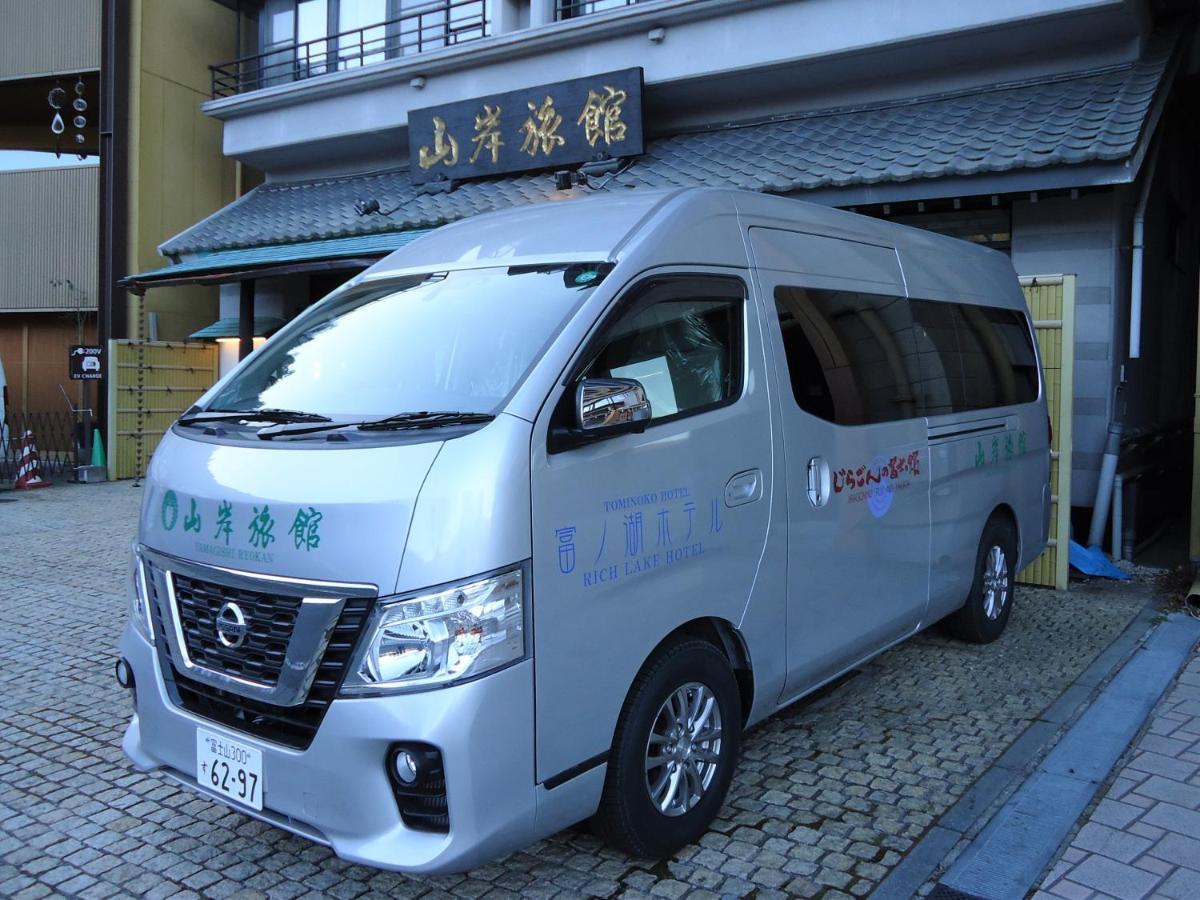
[{"x": 29, "y": 471}]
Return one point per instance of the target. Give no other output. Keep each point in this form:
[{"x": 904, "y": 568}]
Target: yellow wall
[{"x": 178, "y": 174}]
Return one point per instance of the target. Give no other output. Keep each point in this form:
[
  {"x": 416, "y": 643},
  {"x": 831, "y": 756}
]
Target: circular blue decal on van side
[{"x": 880, "y": 494}]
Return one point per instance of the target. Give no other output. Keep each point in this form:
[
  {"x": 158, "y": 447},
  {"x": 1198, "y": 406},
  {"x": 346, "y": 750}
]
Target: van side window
[
  {"x": 852, "y": 357},
  {"x": 856, "y": 359},
  {"x": 682, "y": 340},
  {"x": 936, "y": 326},
  {"x": 999, "y": 365},
  {"x": 986, "y": 355}
]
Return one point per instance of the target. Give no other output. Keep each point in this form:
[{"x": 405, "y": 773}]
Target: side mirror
[
  {"x": 611, "y": 405},
  {"x": 604, "y": 408}
]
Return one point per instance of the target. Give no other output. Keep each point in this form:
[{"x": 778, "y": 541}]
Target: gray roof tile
[{"x": 1065, "y": 120}]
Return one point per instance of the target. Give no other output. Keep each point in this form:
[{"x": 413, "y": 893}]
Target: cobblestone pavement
[
  {"x": 830, "y": 794},
  {"x": 1143, "y": 838}
]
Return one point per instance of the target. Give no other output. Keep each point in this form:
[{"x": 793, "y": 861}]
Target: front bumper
[{"x": 337, "y": 791}]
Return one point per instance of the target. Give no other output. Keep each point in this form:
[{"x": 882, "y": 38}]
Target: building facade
[
  {"x": 114, "y": 89},
  {"x": 48, "y": 212},
  {"x": 1056, "y": 131}
]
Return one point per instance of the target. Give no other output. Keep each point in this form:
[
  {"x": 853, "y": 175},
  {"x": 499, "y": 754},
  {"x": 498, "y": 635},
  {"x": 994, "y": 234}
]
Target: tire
[
  {"x": 984, "y": 616},
  {"x": 629, "y": 818}
]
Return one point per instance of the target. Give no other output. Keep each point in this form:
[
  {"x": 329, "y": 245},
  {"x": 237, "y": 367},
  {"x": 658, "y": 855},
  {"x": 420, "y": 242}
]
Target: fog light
[
  {"x": 418, "y": 781},
  {"x": 124, "y": 675},
  {"x": 406, "y": 766}
]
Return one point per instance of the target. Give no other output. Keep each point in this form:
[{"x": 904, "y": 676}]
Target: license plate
[{"x": 230, "y": 768}]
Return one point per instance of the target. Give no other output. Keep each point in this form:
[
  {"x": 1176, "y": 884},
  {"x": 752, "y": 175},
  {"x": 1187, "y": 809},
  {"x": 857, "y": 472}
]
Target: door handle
[
  {"x": 744, "y": 487},
  {"x": 818, "y": 482}
]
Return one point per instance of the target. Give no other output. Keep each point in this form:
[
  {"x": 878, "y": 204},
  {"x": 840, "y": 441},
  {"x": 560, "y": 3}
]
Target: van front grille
[
  {"x": 269, "y": 617},
  {"x": 292, "y": 726}
]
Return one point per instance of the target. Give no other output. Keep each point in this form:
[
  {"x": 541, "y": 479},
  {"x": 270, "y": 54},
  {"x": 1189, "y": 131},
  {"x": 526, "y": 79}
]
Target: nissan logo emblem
[{"x": 231, "y": 625}]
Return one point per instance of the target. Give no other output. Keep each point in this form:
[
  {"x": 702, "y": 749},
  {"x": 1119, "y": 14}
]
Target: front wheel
[
  {"x": 985, "y": 614},
  {"x": 675, "y": 750}
]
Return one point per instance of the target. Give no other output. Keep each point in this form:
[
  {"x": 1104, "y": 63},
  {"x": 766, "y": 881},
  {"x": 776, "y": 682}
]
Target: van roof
[{"x": 683, "y": 226}]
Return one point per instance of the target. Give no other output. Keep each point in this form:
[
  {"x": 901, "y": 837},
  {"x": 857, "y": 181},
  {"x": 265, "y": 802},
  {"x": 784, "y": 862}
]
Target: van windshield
[{"x": 459, "y": 340}]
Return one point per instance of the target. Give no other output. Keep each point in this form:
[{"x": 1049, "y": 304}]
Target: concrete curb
[
  {"x": 923, "y": 859},
  {"x": 1022, "y": 839}
]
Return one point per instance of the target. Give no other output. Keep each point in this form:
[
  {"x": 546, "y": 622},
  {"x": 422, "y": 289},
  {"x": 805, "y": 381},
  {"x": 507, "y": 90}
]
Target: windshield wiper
[
  {"x": 276, "y": 416},
  {"x": 396, "y": 422},
  {"x": 425, "y": 420}
]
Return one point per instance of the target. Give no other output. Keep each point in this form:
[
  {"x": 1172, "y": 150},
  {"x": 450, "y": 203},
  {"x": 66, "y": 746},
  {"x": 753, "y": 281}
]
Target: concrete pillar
[
  {"x": 541, "y": 12},
  {"x": 246, "y": 319},
  {"x": 509, "y": 16}
]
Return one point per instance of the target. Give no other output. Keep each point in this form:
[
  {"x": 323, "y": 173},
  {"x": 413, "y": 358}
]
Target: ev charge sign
[{"x": 86, "y": 362}]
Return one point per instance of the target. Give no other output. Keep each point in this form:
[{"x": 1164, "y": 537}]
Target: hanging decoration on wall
[
  {"x": 56, "y": 98},
  {"x": 80, "y": 120}
]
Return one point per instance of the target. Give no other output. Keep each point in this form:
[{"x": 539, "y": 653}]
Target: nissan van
[{"x": 529, "y": 522}]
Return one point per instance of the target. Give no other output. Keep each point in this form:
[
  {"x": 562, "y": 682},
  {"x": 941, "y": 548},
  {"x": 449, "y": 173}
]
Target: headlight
[
  {"x": 139, "y": 597},
  {"x": 437, "y": 637}
]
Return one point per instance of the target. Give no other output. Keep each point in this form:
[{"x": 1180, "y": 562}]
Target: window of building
[
  {"x": 683, "y": 342},
  {"x": 858, "y": 359},
  {"x": 294, "y": 32}
]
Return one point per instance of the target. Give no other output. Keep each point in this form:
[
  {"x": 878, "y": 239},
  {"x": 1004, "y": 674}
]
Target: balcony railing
[
  {"x": 442, "y": 23},
  {"x": 573, "y": 9}
]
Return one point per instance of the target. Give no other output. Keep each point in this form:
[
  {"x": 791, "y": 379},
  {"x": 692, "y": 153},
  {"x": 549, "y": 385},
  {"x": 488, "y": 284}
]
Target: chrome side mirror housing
[{"x": 611, "y": 404}]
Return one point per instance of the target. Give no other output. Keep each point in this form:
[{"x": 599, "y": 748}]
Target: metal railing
[
  {"x": 573, "y": 9},
  {"x": 57, "y": 436},
  {"x": 431, "y": 26}
]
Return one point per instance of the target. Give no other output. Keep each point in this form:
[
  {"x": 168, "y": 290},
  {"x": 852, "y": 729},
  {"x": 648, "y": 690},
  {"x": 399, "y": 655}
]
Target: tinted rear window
[{"x": 856, "y": 358}]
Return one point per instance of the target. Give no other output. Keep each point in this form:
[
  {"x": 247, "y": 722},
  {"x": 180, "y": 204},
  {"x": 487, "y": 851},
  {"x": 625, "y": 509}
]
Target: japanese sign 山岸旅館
[{"x": 541, "y": 127}]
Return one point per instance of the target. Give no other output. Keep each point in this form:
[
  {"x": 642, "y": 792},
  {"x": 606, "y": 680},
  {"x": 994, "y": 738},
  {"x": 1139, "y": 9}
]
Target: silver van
[{"x": 528, "y": 523}]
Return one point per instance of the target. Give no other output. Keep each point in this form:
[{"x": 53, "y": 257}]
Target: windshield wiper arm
[
  {"x": 390, "y": 423},
  {"x": 425, "y": 420},
  {"x": 278, "y": 416}
]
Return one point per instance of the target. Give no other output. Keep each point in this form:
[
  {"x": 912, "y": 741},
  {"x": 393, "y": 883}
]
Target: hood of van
[{"x": 327, "y": 515}]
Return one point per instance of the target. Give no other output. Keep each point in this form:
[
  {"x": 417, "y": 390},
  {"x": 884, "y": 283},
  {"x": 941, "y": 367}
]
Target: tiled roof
[{"x": 1091, "y": 116}]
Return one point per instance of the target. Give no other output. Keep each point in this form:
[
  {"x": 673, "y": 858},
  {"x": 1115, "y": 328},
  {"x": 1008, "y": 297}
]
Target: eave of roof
[
  {"x": 256, "y": 259},
  {"x": 1075, "y": 130}
]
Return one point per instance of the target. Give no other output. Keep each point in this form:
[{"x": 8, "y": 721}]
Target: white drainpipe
[
  {"x": 1112, "y": 448},
  {"x": 1135, "y": 264}
]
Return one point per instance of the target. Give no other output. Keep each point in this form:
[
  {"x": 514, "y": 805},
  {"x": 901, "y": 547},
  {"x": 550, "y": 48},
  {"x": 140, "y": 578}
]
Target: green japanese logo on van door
[{"x": 170, "y": 511}]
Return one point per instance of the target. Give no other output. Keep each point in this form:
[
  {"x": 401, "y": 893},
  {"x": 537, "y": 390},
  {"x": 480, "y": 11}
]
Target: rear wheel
[
  {"x": 984, "y": 616},
  {"x": 675, "y": 750}
]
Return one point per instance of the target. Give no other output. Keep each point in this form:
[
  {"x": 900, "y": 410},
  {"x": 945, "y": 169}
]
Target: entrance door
[
  {"x": 639, "y": 533},
  {"x": 857, "y": 473}
]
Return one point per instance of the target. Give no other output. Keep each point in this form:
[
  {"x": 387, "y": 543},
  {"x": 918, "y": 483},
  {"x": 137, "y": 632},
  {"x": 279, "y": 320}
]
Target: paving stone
[
  {"x": 1178, "y": 849},
  {"x": 1160, "y": 788},
  {"x": 1121, "y": 846},
  {"x": 1115, "y": 814},
  {"x": 1174, "y": 818},
  {"x": 1114, "y": 878},
  {"x": 1184, "y": 884}
]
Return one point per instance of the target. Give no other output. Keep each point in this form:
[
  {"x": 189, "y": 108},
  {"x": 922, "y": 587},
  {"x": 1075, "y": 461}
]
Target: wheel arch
[
  {"x": 1005, "y": 513},
  {"x": 725, "y": 636}
]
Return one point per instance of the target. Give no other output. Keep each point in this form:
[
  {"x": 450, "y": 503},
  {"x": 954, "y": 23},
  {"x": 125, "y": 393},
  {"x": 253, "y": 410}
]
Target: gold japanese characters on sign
[
  {"x": 601, "y": 117},
  {"x": 445, "y": 147},
  {"x": 567, "y": 123},
  {"x": 487, "y": 133},
  {"x": 541, "y": 128}
]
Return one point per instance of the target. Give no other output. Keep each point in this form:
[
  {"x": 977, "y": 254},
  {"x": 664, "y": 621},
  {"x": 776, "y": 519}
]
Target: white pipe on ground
[{"x": 1104, "y": 488}]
